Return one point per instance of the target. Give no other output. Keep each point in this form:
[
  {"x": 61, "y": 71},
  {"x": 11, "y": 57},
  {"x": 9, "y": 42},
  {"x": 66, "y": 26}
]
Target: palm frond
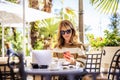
[{"x": 106, "y": 6}]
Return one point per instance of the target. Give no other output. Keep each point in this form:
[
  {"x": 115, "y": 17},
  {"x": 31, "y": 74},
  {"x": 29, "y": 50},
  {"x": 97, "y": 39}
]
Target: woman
[{"x": 68, "y": 46}]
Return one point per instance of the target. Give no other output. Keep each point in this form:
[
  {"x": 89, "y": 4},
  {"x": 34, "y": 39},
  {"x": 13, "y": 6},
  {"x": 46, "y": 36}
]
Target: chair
[
  {"x": 16, "y": 65},
  {"x": 114, "y": 71},
  {"x": 93, "y": 64},
  {"x": 1, "y": 75},
  {"x": 4, "y": 72}
]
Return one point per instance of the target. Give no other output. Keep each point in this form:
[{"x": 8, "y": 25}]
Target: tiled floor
[
  {"x": 39, "y": 78},
  {"x": 101, "y": 77},
  {"x": 31, "y": 78}
]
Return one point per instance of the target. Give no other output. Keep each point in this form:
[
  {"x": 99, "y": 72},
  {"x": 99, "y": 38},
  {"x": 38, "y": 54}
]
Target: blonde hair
[
  {"x": 7, "y": 44},
  {"x": 60, "y": 39}
]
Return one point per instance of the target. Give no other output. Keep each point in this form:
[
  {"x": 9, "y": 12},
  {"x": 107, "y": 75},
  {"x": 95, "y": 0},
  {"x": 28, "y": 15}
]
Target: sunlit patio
[{"x": 29, "y": 28}]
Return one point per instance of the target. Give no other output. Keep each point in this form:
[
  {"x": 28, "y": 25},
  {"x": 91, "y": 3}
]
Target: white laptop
[{"x": 42, "y": 57}]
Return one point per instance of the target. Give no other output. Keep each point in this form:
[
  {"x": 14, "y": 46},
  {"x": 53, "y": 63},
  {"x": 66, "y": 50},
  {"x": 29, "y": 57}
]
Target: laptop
[{"x": 42, "y": 57}]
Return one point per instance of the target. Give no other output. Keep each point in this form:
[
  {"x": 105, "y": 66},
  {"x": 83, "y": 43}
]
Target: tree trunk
[
  {"x": 47, "y": 5},
  {"x": 34, "y": 4},
  {"x": 34, "y": 29},
  {"x": 81, "y": 29}
]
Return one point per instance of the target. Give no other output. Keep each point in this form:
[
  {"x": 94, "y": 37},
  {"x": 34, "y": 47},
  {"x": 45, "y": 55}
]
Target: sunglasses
[{"x": 62, "y": 32}]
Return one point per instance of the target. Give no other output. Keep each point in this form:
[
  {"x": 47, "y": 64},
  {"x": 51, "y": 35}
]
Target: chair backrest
[
  {"x": 16, "y": 65},
  {"x": 93, "y": 63},
  {"x": 4, "y": 71},
  {"x": 114, "y": 70},
  {"x": 1, "y": 74}
]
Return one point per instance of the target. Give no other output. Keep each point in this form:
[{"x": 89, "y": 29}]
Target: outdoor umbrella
[
  {"x": 11, "y": 13},
  {"x": 6, "y": 18}
]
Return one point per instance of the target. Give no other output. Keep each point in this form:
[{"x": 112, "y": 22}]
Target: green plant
[
  {"x": 95, "y": 42},
  {"x": 109, "y": 39},
  {"x": 106, "y": 6},
  {"x": 112, "y": 38}
]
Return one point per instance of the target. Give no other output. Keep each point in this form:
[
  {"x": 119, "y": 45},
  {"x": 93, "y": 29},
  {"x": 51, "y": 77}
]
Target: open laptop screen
[{"x": 42, "y": 57}]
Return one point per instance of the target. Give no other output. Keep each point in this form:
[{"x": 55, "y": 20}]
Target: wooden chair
[
  {"x": 114, "y": 71},
  {"x": 16, "y": 65},
  {"x": 4, "y": 72},
  {"x": 93, "y": 64}
]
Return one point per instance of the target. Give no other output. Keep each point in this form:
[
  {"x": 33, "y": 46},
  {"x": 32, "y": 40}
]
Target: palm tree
[
  {"x": 34, "y": 26},
  {"x": 106, "y": 6},
  {"x": 47, "y": 5},
  {"x": 81, "y": 28}
]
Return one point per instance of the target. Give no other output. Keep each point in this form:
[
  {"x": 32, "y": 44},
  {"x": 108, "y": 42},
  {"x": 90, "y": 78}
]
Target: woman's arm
[{"x": 81, "y": 58}]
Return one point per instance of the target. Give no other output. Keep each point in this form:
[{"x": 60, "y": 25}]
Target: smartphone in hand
[{"x": 67, "y": 56}]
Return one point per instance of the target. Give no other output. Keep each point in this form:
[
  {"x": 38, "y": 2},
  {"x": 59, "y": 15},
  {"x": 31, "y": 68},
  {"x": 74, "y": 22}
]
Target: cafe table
[{"x": 48, "y": 73}]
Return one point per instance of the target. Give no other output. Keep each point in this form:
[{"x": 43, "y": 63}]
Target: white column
[
  {"x": 3, "y": 41},
  {"x": 24, "y": 25}
]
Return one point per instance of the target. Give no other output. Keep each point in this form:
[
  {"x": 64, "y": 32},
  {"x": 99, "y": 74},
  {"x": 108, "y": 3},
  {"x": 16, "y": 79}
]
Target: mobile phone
[{"x": 67, "y": 53}]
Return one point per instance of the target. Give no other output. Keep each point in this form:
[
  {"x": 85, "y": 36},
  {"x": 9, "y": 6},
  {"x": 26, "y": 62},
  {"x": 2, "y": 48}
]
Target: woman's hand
[{"x": 69, "y": 57}]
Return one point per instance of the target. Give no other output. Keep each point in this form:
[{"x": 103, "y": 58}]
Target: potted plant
[
  {"x": 95, "y": 42},
  {"x": 110, "y": 42},
  {"x": 112, "y": 39},
  {"x": 109, "y": 39},
  {"x": 111, "y": 45}
]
